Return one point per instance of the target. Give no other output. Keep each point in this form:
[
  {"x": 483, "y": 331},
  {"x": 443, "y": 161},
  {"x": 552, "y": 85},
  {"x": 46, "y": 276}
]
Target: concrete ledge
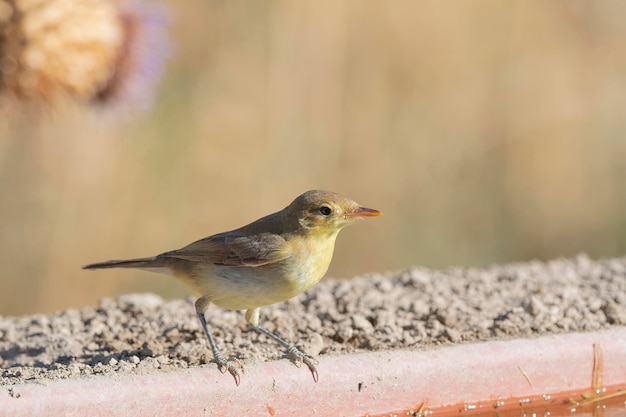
[{"x": 350, "y": 385}]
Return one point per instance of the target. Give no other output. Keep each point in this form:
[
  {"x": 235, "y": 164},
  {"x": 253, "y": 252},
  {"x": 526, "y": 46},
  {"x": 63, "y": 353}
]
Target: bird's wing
[{"x": 232, "y": 250}]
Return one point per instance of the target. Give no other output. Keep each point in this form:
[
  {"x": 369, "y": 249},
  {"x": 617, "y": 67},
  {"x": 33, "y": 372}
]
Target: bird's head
[{"x": 325, "y": 212}]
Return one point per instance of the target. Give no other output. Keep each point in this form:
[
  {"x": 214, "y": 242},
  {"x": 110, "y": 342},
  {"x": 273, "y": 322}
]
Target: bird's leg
[
  {"x": 223, "y": 364},
  {"x": 252, "y": 316},
  {"x": 310, "y": 361}
]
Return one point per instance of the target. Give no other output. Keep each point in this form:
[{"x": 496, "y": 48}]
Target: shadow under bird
[{"x": 270, "y": 260}]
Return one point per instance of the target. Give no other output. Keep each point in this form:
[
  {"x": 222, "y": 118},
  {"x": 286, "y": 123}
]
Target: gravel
[{"x": 412, "y": 309}]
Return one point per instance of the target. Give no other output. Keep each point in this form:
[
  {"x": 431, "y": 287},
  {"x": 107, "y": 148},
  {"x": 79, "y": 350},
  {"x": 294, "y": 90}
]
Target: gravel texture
[{"x": 414, "y": 309}]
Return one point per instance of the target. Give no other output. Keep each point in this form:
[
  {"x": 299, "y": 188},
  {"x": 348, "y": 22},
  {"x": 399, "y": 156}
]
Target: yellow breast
[{"x": 310, "y": 261}]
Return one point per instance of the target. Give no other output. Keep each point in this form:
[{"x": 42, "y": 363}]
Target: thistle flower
[
  {"x": 141, "y": 58},
  {"x": 102, "y": 51}
]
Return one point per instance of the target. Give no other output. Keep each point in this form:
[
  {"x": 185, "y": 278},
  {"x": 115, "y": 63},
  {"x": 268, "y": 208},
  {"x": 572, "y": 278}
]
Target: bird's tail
[{"x": 143, "y": 263}]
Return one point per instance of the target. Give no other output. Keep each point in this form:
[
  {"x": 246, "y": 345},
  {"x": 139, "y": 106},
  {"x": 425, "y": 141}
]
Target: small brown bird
[{"x": 270, "y": 260}]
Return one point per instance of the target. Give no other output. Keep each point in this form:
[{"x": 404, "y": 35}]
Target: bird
[{"x": 265, "y": 262}]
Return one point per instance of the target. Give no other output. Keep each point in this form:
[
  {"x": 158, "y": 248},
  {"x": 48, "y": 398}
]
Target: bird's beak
[{"x": 363, "y": 212}]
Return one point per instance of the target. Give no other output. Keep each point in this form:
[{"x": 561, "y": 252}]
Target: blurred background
[{"x": 486, "y": 131}]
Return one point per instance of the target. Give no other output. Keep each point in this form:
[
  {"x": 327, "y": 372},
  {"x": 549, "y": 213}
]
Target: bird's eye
[{"x": 325, "y": 211}]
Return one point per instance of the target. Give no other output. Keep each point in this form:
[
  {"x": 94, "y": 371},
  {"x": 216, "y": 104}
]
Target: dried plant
[{"x": 98, "y": 51}]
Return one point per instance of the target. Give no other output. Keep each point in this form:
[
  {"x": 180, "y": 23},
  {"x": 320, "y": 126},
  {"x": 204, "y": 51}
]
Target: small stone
[
  {"x": 361, "y": 323},
  {"x": 172, "y": 333},
  {"x": 385, "y": 286},
  {"x": 150, "y": 301},
  {"x": 124, "y": 366},
  {"x": 615, "y": 313},
  {"x": 419, "y": 308},
  {"x": 163, "y": 360},
  {"x": 314, "y": 345},
  {"x": 453, "y": 335}
]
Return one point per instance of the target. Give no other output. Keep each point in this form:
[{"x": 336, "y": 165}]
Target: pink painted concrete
[{"x": 391, "y": 380}]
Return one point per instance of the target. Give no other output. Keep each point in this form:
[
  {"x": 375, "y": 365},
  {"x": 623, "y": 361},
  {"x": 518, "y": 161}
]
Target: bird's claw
[
  {"x": 309, "y": 361},
  {"x": 224, "y": 365},
  {"x": 296, "y": 354}
]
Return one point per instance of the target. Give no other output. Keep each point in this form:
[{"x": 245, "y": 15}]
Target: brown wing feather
[{"x": 232, "y": 250}]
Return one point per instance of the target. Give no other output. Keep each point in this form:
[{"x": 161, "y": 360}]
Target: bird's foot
[
  {"x": 296, "y": 353},
  {"x": 309, "y": 361},
  {"x": 232, "y": 365}
]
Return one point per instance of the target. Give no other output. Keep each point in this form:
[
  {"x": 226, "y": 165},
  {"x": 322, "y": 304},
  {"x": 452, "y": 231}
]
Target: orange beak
[{"x": 364, "y": 212}]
